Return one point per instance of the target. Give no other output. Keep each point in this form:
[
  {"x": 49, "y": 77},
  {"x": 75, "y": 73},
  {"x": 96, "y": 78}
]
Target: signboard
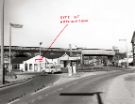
[{"x": 39, "y": 59}]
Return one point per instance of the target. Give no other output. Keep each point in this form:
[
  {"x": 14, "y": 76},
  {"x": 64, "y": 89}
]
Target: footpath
[{"x": 122, "y": 90}]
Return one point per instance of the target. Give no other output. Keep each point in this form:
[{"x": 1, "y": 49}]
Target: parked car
[{"x": 52, "y": 68}]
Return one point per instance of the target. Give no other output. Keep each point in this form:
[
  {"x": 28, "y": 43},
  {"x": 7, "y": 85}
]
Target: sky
[{"x": 109, "y": 23}]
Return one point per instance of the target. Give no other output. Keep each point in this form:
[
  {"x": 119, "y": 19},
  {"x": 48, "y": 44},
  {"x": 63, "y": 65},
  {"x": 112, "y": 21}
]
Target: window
[
  {"x": 30, "y": 66},
  {"x": 35, "y": 67}
]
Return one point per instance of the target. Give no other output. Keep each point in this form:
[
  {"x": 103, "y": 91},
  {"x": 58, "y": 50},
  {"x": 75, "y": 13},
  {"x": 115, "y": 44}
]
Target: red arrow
[{"x": 58, "y": 36}]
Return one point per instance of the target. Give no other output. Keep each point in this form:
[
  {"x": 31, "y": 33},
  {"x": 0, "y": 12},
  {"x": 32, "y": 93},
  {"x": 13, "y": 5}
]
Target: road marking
[
  {"x": 40, "y": 90},
  {"x": 13, "y": 101}
]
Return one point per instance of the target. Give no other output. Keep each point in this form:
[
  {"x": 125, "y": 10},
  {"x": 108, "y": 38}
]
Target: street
[
  {"x": 10, "y": 93},
  {"x": 67, "y": 52},
  {"x": 87, "y": 90}
]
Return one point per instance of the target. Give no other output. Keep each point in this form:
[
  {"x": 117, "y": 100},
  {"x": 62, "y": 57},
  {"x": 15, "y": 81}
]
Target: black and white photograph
[{"x": 67, "y": 52}]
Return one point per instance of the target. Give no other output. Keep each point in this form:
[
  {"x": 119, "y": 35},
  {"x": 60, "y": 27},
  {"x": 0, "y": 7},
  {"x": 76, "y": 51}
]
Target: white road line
[
  {"x": 39, "y": 90},
  {"x": 13, "y": 101}
]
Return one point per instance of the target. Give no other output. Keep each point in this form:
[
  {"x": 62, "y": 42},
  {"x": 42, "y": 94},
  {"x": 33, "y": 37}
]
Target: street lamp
[
  {"x": 40, "y": 43},
  {"x": 11, "y": 25},
  {"x": 2, "y": 77}
]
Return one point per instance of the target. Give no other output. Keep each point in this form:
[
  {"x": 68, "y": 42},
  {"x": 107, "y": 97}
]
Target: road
[
  {"x": 88, "y": 90},
  {"x": 9, "y": 93}
]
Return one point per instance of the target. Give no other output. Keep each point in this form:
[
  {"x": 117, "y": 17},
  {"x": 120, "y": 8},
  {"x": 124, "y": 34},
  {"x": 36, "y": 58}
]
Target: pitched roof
[{"x": 37, "y": 59}]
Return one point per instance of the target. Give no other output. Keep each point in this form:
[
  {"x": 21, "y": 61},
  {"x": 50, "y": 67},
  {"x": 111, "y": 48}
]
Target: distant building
[
  {"x": 79, "y": 55},
  {"x": 66, "y": 58},
  {"x": 40, "y": 64},
  {"x": 133, "y": 47},
  {"x": 35, "y": 64},
  {"x": 97, "y": 56}
]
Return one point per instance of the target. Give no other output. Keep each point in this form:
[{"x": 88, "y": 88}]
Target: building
[
  {"x": 133, "y": 47},
  {"x": 66, "y": 58},
  {"x": 97, "y": 56},
  {"x": 35, "y": 64}
]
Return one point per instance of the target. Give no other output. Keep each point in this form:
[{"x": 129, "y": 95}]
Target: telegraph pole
[
  {"x": 40, "y": 43},
  {"x": 70, "y": 48},
  {"x": 2, "y": 77},
  {"x": 10, "y": 40}
]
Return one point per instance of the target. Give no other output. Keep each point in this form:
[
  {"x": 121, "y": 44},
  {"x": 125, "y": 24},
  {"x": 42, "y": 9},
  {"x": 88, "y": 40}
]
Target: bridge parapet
[{"x": 98, "y": 52}]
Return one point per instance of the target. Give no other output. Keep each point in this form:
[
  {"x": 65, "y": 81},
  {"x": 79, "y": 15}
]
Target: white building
[
  {"x": 39, "y": 64},
  {"x": 35, "y": 64},
  {"x": 66, "y": 58}
]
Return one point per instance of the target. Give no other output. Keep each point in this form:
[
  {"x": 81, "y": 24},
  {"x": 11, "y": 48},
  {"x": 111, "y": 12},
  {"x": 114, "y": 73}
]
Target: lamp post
[
  {"x": 40, "y": 43},
  {"x": 2, "y": 77},
  {"x": 11, "y": 25}
]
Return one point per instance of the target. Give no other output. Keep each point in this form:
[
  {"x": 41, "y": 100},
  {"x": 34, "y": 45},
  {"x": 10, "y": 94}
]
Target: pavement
[
  {"x": 121, "y": 90},
  {"x": 18, "y": 78}
]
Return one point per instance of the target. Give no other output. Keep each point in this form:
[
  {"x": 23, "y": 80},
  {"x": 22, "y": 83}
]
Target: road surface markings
[
  {"x": 13, "y": 101},
  {"x": 40, "y": 90}
]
